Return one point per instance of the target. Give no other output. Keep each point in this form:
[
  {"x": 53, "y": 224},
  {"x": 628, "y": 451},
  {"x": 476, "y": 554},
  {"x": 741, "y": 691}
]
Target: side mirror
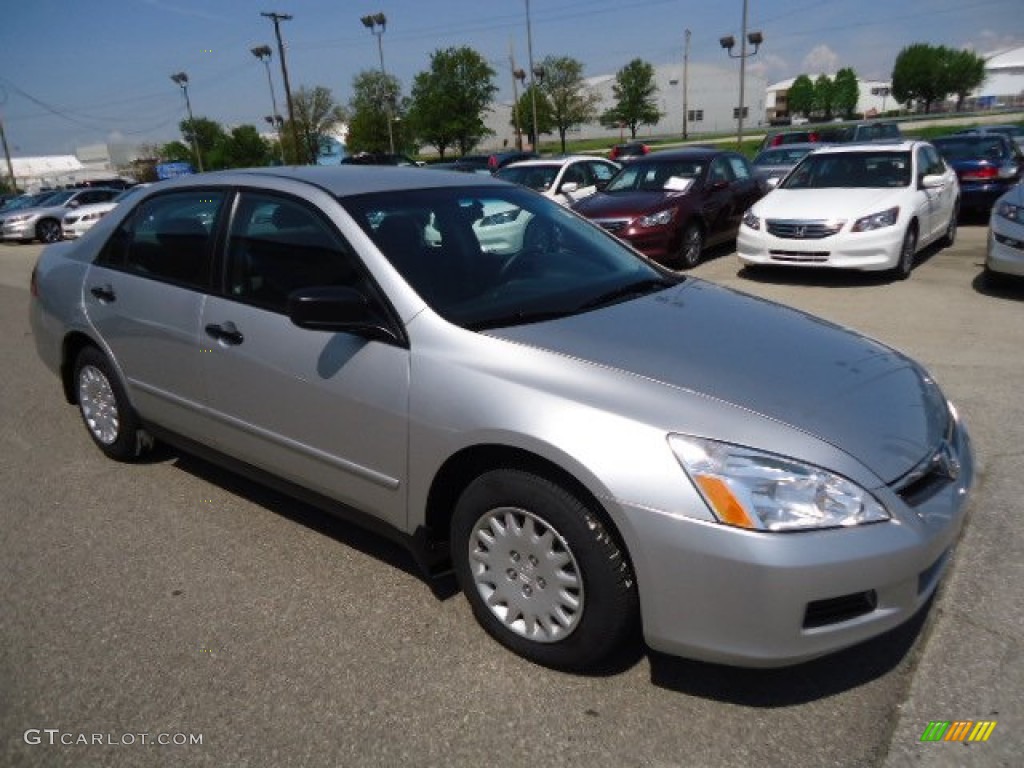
[
  {"x": 338, "y": 309},
  {"x": 73, "y": 204},
  {"x": 772, "y": 181},
  {"x": 569, "y": 187},
  {"x": 932, "y": 181}
]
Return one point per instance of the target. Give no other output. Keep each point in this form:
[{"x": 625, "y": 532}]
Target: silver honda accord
[{"x": 591, "y": 442}]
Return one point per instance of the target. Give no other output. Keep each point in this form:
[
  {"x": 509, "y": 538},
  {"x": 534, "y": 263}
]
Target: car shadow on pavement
[
  {"x": 347, "y": 533},
  {"x": 799, "y": 684},
  {"x": 999, "y": 286}
]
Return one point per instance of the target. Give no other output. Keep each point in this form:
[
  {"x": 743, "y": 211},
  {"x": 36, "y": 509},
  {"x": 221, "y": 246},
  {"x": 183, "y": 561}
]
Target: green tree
[
  {"x": 176, "y": 152},
  {"x": 965, "y": 71},
  {"x": 545, "y": 119},
  {"x": 634, "y": 92},
  {"x": 316, "y": 114},
  {"x": 208, "y": 134},
  {"x": 245, "y": 148},
  {"x": 801, "y": 96},
  {"x": 448, "y": 100},
  {"x": 824, "y": 96},
  {"x": 845, "y": 92},
  {"x": 572, "y": 101},
  {"x": 919, "y": 75},
  {"x": 375, "y": 100}
]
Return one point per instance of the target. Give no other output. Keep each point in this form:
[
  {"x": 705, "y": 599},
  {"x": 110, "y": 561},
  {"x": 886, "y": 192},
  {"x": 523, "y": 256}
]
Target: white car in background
[
  {"x": 81, "y": 219},
  {"x": 855, "y": 206},
  {"x": 563, "y": 179},
  {"x": 1005, "y": 253}
]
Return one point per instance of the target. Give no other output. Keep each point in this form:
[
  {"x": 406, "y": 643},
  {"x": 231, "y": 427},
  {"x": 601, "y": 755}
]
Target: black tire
[
  {"x": 908, "y": 252},
  {"x": 691, "y": 246},
  {"x": 108, "y": 416},
  {"x": 949, "y": 237},
  {"x": 48, "y": 231},
  {"x": 514, "y": 535}
]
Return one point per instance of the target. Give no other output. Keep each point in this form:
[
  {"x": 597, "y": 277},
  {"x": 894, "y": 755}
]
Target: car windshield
[
  {"x": 57, "y": 198},
  {"x": 972, "y": 148},
  {"x": 486, "y": 257},
  {"x": 130, "y": 192},
  {"x": 851, "y": 170},
  {"x": 781, "y": 156},
  {"x": 660, "y": 175},
  {"x": 539, "y": 177}
]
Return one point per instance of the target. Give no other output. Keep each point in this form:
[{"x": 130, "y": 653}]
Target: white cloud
[
  {"x": 769, "y": 66},
  {"x": 821, "y": 60},
  {"x": 989, "y": 41}
]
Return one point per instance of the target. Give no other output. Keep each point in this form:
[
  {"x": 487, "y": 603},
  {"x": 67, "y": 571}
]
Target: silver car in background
[
  {"x": 591, "y": 442},
  {"x": 42, "y": 222}
]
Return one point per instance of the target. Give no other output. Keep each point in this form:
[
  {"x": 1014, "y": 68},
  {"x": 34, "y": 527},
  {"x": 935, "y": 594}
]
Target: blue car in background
[{"x": 986, "y": 164}]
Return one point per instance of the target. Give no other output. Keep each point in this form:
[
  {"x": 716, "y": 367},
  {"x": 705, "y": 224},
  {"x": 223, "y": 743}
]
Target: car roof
[
  {"x": 686, "y": 153},
  {"x": 896, "y": 145},
  {"x": 562, "y": 160},
  {"x": 339, "y": 180},
  {"x": 795, "y": 145}
]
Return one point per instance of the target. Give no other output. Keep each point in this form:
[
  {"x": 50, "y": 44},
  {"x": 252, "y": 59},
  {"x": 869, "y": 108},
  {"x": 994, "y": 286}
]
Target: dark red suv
[{"x": 670, "y": 205}]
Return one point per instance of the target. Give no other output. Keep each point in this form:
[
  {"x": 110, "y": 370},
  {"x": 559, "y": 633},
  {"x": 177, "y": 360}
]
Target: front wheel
[
  {"x": 949, "y": 237},
  {"x": 907, "y": 252},
  {"x": 48, "y": 231},
  {"x": 691, "y": 246},
  {"x": 104, "y": 407},
  {"x": 541, "y": 571}
]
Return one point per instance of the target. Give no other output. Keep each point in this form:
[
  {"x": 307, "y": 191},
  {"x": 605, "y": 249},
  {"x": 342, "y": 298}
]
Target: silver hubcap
[
  {"x": 98, "y": 404},
  {"x": 526, "y": 574},
  {"x": 691, "y": 246}
]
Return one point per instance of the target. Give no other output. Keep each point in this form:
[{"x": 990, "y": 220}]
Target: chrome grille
[
  {"x": 612, "y": 225},
  {"x": 800, "y": 229}
]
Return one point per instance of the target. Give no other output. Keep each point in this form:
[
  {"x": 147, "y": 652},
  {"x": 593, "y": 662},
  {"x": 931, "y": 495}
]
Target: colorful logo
[{"x": 958, "y": 730}]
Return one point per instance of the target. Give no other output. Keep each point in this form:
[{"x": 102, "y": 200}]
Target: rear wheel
[
  {"x": 541, "y": 571},
  {"x": 48, "y": 231},
  {"x": 104, "y": 407},
  {"x": 907, "y": 253}
]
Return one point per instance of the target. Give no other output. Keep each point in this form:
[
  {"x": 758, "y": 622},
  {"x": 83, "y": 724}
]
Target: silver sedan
[{"x": 592, "y": 443}]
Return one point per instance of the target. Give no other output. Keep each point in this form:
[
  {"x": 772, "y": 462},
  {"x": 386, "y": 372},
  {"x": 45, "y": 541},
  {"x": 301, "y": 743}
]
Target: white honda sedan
[{"x": 860, "y": 206}]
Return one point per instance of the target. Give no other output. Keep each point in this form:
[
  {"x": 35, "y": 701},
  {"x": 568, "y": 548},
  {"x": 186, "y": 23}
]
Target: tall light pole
[
  {"x": 520, "y": 76},
  {"x": 375, "y": 22},
  {"x": 728, "y": 42},
  {"x": 534, "y": 72},
  {"x": 181, "y": 79},
  {"x": 686, "y": 73},
  {"x": 277, "y": 18}
]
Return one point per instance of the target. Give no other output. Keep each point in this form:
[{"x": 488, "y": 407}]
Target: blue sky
[{"x": 75, "y": 72}]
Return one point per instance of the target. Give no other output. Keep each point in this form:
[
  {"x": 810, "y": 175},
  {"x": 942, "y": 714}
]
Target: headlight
[
  {"x": 751, "y": 220},
  {"x": 762, "y": 491},
  {"x": 1010, "y": 211},
  {"x": 657, "y": 219},
  {"x": 92, "y": 216},
  {"x": 504, "y": 217},
  {"x": 17, "y": 219},
  {"x": 877, "y": 220}
]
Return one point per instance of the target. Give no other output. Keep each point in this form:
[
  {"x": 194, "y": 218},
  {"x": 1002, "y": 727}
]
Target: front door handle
[
  {"x": 105, "y": 293},
  {"x": 228, "y": 333}
]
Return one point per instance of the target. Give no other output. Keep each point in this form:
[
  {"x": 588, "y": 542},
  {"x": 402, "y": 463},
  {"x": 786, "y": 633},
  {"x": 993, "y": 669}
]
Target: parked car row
[{"x": 41, "y": 218}]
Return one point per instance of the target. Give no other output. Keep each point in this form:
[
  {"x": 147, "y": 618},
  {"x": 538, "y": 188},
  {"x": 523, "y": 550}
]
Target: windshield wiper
[
  {"x": 628, "y": 291},
  {"x": 519, "y": 318}
]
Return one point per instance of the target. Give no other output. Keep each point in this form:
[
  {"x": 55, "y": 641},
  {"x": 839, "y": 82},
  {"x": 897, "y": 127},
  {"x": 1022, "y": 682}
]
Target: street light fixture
[
  {"x": 728, "y": 43},
  {"x": 264, "y": 53},
  {"x": 277, "y": 18},
  {"x": 181, "y": 79},
  {"x": 375, "y": 22}
]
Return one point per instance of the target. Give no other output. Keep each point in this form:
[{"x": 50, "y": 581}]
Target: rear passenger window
[
  {"x": 168, "y": 238},
  {"x": 278, "y": 245}
]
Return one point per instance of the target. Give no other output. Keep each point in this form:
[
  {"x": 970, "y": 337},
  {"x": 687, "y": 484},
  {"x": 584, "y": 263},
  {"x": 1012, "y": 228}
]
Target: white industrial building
[
  {"x": 89, "y": 163},
  {"x": 1004, "y": 81},
  {"x": 712, "y": 101},
  {"x": 874, "y": 99}
]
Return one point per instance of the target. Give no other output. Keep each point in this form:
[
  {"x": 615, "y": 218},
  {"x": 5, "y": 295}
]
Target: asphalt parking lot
[{"x": 172, "y": 599}]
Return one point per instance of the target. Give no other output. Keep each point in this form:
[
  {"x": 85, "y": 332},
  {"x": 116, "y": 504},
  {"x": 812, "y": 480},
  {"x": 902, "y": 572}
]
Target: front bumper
[
  {"x": 875, "y": 250},
  {"x": 721, "y": 594},
  {"x": 22, "y": 230},
  {"x": 1005, "y": 253}
]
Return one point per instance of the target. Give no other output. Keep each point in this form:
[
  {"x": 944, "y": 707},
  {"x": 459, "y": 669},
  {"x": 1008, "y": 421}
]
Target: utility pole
[
  {"x": 277, "y": 18},
  {"x": 686, "y": 73},
  {"x": 533, "y": 77},
  {"x": 7, "y": 155},
  {"x": 516, "y": 75}
]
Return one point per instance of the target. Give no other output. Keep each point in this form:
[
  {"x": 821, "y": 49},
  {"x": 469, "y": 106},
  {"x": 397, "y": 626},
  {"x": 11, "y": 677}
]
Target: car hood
[
  {"x": 625, "y": 204},
  {"x": 826, "y": 203},
  {"x": 91, "y": 208},
  {"x": 860, "y": 396}
]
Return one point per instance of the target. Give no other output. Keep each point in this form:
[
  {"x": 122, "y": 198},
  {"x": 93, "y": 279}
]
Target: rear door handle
[
  {"x": 105, "y": 293},
  {"x": 228, "y": 333}
]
